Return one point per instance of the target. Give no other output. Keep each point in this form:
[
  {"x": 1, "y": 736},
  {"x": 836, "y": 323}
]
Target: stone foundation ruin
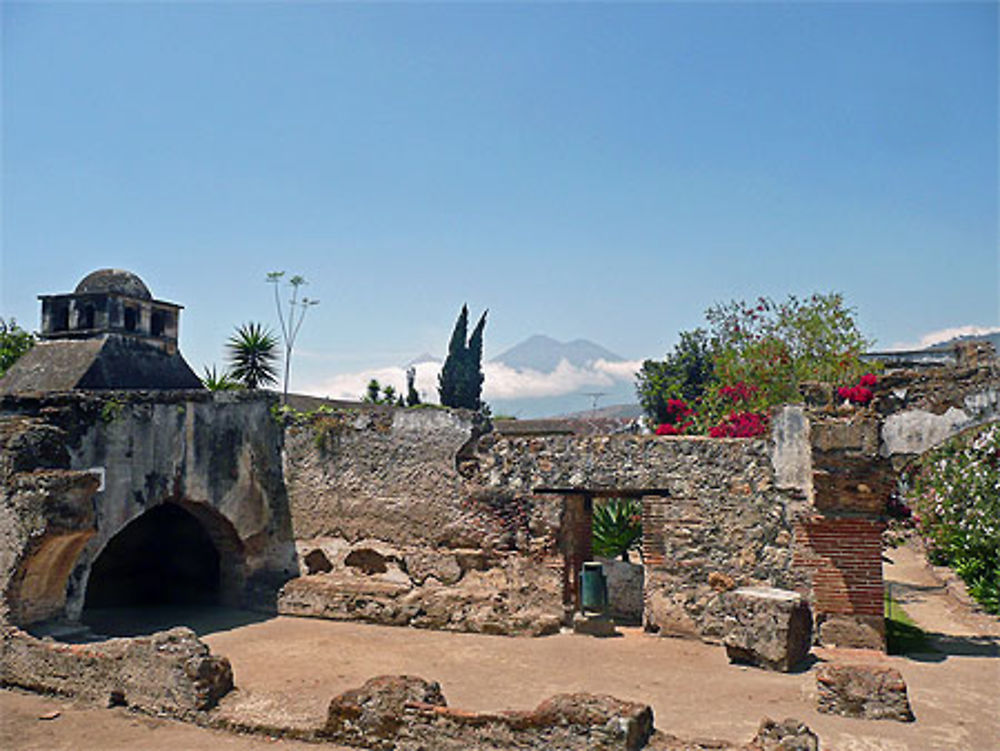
[{"x": 428, "y": 518}]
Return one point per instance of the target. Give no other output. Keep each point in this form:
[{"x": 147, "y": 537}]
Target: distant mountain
[
  {"x": 425, "y": 357},
  {"x": 615, "y": 411},
  {"x": 993, "y": 337},
  {"x": 543, "y": 354}
]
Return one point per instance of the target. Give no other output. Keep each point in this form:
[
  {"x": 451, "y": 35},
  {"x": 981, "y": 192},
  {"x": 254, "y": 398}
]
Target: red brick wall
[{"x": 844, "y": 558}]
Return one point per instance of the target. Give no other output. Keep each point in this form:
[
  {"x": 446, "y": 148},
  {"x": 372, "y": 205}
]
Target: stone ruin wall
[
  {"x": 856, "y": 459},
  {"x": 217, "y": 457},
  {"x": 391, "y": 526},
  {"x": 714, "y": 516}
]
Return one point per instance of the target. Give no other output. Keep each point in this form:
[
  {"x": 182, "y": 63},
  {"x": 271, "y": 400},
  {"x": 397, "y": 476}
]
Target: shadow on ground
[{"x": 148, "y": 620}]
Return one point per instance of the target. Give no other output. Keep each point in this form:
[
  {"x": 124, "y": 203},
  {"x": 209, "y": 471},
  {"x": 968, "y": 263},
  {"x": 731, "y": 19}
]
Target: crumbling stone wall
[
  {"x": 714, "y": 517},
  {"x": 169, "y": 672},
  {"x": 409, "y": 713},
  {"x": 391, "y": 526},
  {"x": 854, "y": 459},
  {"x": 79, "y": 467}
]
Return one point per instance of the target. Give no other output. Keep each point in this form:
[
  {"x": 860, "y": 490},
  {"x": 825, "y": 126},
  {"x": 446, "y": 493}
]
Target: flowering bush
[
  {"x": 956, "y": 494},
  {"x": 860, "y": 394},
  {"x": 740, "y": 425}
]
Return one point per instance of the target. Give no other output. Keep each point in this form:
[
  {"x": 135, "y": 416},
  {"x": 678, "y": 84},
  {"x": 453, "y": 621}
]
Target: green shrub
[
  {"x": 956, "y": 494},
  {"x": 617, "y": 527}
]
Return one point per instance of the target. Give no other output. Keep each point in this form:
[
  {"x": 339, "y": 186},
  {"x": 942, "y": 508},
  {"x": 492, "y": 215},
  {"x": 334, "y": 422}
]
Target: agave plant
[
  {"x": 215, "y": 381},
  {"x": 253, "y": 356},
  {"x": 617, "y": 527}
]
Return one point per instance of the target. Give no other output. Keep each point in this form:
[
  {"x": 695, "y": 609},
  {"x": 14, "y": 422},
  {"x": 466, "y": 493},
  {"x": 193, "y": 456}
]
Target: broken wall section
[
  {"x": 392, "y": 526},
  {"x": 714, "y": 516}
]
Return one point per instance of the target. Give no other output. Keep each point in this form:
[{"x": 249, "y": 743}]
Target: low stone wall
[
  {"x": 170, "y": 672},
  {"x": 406, "y": 713}
]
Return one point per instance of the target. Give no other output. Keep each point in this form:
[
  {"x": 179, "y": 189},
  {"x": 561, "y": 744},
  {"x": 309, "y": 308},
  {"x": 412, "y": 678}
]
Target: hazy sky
[{"x": 582, "y": 170}]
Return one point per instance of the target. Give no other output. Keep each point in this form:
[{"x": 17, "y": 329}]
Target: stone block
[
  {"x": 593, "y": 625},
  {"x": 770, "y": 628},
  {"x": 787, "y": 735},
  {"x": 871, "y": 692},
  {"x": 625, "y": 590}
]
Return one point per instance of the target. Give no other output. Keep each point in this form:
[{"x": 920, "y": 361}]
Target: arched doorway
[
  {"x": 172, "y": 560},
  {"x": 165, "y": 557}
]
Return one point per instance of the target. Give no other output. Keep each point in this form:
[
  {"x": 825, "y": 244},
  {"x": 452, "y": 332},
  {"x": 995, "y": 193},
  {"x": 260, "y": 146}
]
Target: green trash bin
[{"x": 593, "y": 588}]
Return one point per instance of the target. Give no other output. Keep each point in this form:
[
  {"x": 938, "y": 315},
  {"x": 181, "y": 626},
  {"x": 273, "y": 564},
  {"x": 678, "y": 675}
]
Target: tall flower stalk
[{"x": 292, "y": 322}]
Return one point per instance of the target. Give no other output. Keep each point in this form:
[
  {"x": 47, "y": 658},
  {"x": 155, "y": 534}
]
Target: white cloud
[
  {"x": 501, "y": 381},
  {"x": 944, "y": 335}
]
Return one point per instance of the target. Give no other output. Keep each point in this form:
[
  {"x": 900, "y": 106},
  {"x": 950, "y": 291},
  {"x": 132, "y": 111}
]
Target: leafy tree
[
  {"x": 460, "y": 383},
  {"x": 376, "y": 393},
  {"x": 14, "y": 342},
  {"x": 754, "y": 356},
  {"x": 412, "y": 397},
  {"x": 223, "y": 381},
  {"x": 685, "y": 374},
  {"x": 372, "y": 391},
  {"x": 777, "y": 346},
  {"x": 291, "y": 324},
  {"x": 253, "y": 352},
  {"x": 616, "y": 527}
]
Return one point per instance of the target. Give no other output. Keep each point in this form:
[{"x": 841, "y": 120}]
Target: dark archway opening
[{"x": 165, "y": 557}]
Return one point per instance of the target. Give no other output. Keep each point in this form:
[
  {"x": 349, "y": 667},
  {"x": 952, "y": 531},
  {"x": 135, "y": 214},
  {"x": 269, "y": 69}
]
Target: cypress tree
[
  {"x": 452, "y": 371},
  {"x": 461, "y": 381}
]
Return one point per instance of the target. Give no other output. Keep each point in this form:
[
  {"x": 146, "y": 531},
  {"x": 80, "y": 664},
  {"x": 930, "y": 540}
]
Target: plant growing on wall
[
  {"x": 215, "y": 381},
  {"x": 253, "y": 354},
  {"x": 291, "y": 323},
  {"x": 752, "y": 357},
  {"x": 617, "y": 527},
  {"x": 14, "y": 342}
]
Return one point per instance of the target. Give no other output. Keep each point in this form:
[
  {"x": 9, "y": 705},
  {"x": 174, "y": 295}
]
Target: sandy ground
[{"x": 291, "y": 667}]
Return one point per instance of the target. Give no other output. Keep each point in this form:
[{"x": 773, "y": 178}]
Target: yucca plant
[
  {"x": 215, "y": 381},
  {"x": 617, "y": 527},
  {"x": 253, "y": 356}
]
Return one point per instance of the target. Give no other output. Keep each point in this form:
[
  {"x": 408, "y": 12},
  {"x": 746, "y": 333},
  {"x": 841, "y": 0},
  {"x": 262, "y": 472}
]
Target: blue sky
[{"x": 582, "y": 170}]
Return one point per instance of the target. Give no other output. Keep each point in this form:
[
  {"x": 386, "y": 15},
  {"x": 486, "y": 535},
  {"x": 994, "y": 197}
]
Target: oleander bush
[{"x": 955, "y": 494}]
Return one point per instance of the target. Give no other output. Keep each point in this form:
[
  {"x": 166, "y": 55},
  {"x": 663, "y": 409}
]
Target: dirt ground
[{"x": 290, "y": 668}]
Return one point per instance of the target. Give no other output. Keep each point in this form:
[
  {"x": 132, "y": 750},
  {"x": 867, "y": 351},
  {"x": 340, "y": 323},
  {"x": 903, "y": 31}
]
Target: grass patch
[{"x": 902, "y": 635}]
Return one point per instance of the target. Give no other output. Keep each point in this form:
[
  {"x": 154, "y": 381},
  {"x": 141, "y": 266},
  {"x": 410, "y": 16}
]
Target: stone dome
[{"x": 114, "y": 281}]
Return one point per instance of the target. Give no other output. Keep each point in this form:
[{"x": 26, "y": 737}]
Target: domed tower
[
  {"x": 111, "y": 301},
  {"x": 109, "y": 333}
]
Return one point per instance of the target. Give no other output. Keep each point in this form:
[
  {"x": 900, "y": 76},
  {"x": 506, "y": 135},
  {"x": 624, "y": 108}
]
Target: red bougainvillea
[
  {"x": 741, "y": 425},
  {"x": 740, "y": 392},
  {"x": 860, "y": 394}
]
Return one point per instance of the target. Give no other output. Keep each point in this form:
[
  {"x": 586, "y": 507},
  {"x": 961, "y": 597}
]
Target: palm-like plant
[
  {"x": 253, "y": 356},
  {"x": 215, "y": 381},
  {"x": 617, "y": 527}
]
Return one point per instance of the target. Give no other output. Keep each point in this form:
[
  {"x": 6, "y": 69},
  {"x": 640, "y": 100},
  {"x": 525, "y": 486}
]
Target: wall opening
[
  {"x": 85, "y": 317},
  {"x": 157, "y": 323},
  {"x": 131, "y": 318},
  {"x": 164, "y": 557}
]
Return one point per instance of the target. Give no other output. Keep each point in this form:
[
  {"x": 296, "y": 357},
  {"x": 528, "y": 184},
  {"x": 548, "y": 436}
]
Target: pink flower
[{"x": 868, "y": 379}]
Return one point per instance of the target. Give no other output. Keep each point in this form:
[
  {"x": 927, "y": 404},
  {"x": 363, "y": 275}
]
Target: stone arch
[{"x": 177, "y": 552}]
